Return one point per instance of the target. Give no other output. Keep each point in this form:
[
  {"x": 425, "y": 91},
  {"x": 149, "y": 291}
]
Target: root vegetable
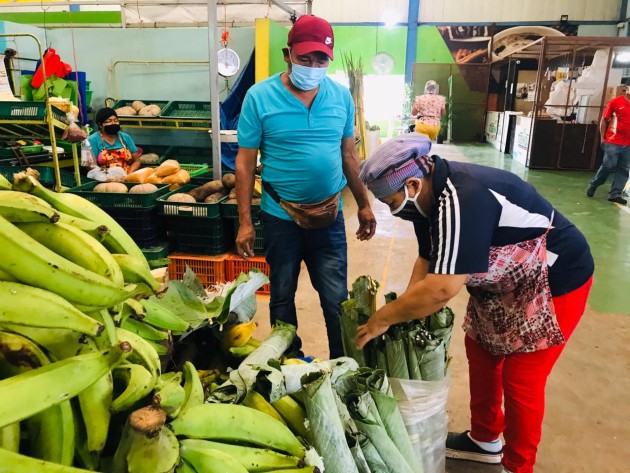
[{"x": 200, "y": 193}]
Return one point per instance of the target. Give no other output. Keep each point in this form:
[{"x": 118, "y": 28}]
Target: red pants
[{"x": 521, "y": 379}]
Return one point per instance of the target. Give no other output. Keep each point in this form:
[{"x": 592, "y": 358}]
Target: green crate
[
  {"x": 160, "y": 150},
  {"x": 187, "y": 110},
  {"x": 199, "y": 210},
  {"x": 29, "y": 149},
  {"x": 208, "y": 176},
  {"x": 230, "y": 211},
  {"x": 46, "y": 175},
  {"x": 156, "y": 252},
  {"x": 200, "y": 236},
  {"x": 115, "y": 199},
  {"x": 187, "y": 154},
  {"x": 127, "y": 103},
  {"x": 18, "y": 111},
  {"x": 194, "y": 169},
  {"x": 259, "y": 240}
]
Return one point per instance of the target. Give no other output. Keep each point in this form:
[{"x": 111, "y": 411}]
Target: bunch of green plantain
[{"x": 81, "y": 331}]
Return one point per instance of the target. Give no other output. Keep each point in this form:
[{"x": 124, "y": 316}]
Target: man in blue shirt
[{"x": 303, "y": 124}]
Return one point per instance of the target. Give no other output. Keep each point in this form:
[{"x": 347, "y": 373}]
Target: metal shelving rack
[{"x": 47, "y": 127}]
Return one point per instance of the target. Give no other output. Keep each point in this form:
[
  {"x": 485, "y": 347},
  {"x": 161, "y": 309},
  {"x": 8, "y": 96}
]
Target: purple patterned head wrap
[{"x": 385, "y": 172}]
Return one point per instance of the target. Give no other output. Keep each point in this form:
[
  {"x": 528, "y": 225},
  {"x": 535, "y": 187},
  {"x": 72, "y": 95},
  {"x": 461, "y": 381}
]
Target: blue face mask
[{"x": 306, "y": 78}]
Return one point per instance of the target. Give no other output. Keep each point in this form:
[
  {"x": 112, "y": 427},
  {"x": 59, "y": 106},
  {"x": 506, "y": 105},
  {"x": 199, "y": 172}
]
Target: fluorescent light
[
  {"x": 390, "y": 18},
  {"x": 623, "y": 57}
]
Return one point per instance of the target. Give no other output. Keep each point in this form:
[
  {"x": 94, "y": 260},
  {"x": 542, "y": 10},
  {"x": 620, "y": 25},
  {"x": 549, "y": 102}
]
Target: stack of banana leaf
[{"x": 416, "y": 349}]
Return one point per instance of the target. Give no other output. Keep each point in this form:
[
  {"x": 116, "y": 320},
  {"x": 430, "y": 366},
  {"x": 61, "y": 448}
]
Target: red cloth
[
  {"x": 54, "y": 65},
  {"x": 618, "y": 112},
  {"x": 521, "y": 379}
]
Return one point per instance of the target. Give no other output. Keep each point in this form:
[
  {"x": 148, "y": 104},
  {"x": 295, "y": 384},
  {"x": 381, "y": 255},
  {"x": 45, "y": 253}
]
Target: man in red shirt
[{"x": 614, "y": 130}]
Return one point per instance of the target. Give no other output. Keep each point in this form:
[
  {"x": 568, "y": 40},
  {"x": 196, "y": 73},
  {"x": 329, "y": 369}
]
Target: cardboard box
[{"x": 612, "y": 92}]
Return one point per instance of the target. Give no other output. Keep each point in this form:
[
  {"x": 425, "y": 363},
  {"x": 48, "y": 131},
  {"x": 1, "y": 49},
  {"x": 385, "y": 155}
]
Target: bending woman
[{"x": 429, "y": 109}]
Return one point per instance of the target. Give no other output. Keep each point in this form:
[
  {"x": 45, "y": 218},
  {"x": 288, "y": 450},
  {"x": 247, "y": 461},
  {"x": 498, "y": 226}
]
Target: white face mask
[{"x": 410, "y": 208}]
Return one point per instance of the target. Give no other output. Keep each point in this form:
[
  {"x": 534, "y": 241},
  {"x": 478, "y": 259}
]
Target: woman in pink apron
[
  {"x": 528, "y": 271},
  {"x": 111, "y": 147}
]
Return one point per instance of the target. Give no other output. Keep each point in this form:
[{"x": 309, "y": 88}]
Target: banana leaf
[
  {"x": 325, "y": 425},
  {"x": 372, "y": 457},
  {"x": 192, "y": 282},
  {"x": 363, "y": 292},
  {"x": 350, "y": 320},
  {"x": 380, "y": 355},
  {"x": 431, "y": 356},
  {"x": 183, "y": 302},
  {"x": 440, "y": 325},
  {"x": 412, "y": 358},
  {"x": 396, "y": 354},
  {"x": 357, "y": 453},
  {"x": 246, "y": 375},
  {"x": 365, "y": 415},
  {"x": 379, "y": 388},
  {"x": 293, "y": 373}
]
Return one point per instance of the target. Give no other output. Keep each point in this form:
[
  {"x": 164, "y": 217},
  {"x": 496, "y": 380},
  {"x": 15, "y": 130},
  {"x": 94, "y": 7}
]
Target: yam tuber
[
  {"x": 229, "y": 180},
  {"x": 200, "y": 193}
]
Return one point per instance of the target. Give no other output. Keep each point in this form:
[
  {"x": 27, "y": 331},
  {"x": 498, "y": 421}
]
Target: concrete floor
[{"x": 587, "y": 424}]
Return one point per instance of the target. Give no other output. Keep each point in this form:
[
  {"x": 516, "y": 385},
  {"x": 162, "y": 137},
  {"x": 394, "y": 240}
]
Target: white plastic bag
[{"x": 422, "y": 405}]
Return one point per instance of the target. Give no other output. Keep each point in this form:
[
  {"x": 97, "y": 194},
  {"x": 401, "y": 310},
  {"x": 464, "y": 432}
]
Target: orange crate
[
  {"x": 235, "y": 265},
  {"x": 209, "y": 269}
]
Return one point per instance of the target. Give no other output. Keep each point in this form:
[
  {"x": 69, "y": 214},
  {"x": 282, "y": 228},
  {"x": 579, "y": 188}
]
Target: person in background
[
  {"x": 614, "y": 130},
  {"x": 111, "y": 147},
  {"x": 528, "y": 271},
  {"x": 303, "y": 124},
  {"x": 429, "y": 108}
]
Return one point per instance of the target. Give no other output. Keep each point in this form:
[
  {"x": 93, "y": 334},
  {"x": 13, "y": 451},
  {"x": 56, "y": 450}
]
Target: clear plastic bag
[
  {"x": 74, "y": 133},
  {"x": 422, "y": 405},
  {"x": 87, "y": 156}
]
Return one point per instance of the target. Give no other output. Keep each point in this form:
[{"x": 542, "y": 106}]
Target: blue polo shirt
[
  {"x": 300, "y": 149},
  {"x": 97, "y": 143}
]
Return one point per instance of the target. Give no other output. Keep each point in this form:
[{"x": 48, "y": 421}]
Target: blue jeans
[
  {"x": 325, "y": 253},
  {"x": 617, "y": 161}
]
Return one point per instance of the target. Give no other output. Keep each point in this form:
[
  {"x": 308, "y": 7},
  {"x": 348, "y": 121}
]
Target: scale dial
[{"x": 229, "y": 62}]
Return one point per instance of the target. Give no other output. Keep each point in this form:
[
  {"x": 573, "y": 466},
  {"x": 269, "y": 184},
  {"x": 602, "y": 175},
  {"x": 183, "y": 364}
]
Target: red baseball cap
[{"x": 311, "y": 33}]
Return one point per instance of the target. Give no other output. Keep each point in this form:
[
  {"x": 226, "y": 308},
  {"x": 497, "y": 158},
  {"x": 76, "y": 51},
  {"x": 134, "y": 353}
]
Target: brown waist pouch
[{"x": 308, "y": 216}]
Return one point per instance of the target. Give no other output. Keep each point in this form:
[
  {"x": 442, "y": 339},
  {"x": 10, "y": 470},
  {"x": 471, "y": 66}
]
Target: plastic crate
[
  {"x": 160, "y": 150},
  {"x": 144, "y": 225},
  {"x": 230, "y": 211},
  {"x": 187, "y": 110},
  {"x": 259, "y": 241},
  {"x": 194, "y": 169},
  {"x": 127, "y": 103},
  {"x": 116, "y": 199},
  {"x": 235, "y": 265},
  {"x": 29, "y": 149},
  {"x": 46, "y": 175},
  {"x": 208, "y": 175},
  {"x": 188, "y": 209},
  {"x": 17, "y": 111},
  {"x": 187, "y": 154},
  {"x": 200, "y": 236},
  {"x": 209, "y": 269},
  {"x": 156, "y": 252}
]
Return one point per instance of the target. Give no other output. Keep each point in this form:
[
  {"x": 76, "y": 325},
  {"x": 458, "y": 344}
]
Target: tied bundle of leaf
[
  {"x": 245, "y": 377},
  {"x": 350, "y": 320},
  {"x": 293, "y": 373},
  {"x": 379, "y": 388},
  {"x": 325, "y": 426},
  {"x": 431, "y": 356},
  {"x": 356, "y": 311},
  {"x": 395, "y": 350},
  {"x": 440, "y": 324},
  {"x": 367, "y": 419}
]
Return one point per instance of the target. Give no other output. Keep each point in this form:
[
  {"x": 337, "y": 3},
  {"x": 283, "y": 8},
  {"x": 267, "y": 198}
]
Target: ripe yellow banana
[
  {"x": 237, "y": 424},
  {"x": 135, "y": 269},
  {"x": 211, "y": 461},
  {"x": 117, "y": 241},
  {"x": 77, "y": 246},
  {"x": 258, "y": 402},
  {"x": 32, "y": 392},
  {"x": 51, "y": 431},
  {"x": 159, "y": 316},
  {"x": 253, "y": 459},
  {"x": 293, "y": 414},
  {"x": 237, "y": 335},
  {"x": 31, "y": 306},
  {"x": 245, "y": 350},
  {"x": 193, "y": 389},
  {"x": 138, "y": 384},
  {"x": 142, "y": 352},
  {"x": 36, "y": 265},
  {"x": 11, "y": 462}
]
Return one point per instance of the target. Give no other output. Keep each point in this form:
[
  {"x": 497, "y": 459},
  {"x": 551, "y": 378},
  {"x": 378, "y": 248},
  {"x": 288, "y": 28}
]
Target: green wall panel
[
  {"x": 277, "y": 41},
  {"x": 431, "y": 46},
  {"x": 88, "y": 17}
]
